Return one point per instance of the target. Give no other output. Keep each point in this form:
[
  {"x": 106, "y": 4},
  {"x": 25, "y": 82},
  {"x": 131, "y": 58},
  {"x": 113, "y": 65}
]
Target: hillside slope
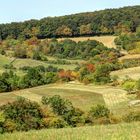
[
  {"x": 108, "y": 41},
  {"x": 108, "y": 132},
  {"x": 101, "y": 22}
]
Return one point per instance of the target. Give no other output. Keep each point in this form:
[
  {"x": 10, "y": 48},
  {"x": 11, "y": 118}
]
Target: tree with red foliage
[
  {"x": 65, "y": 75},
  {"x": 90, "y": 67}
]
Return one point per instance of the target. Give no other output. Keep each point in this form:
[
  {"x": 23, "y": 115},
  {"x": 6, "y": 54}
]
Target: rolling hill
[{"x": 108, "y": 132}]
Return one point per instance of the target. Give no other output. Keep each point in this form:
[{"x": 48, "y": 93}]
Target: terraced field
[{"x": 82, "y": 96}]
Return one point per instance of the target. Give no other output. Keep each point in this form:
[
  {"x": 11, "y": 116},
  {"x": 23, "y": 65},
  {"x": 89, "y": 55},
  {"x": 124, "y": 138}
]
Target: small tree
[
  {"x": 65, "y": 109},
  {"x": 23, "y": 113},
  {"x": 60, "y": 106},
  {"x": 99, "y": 111},
  {"x": 130, "y": 86}
]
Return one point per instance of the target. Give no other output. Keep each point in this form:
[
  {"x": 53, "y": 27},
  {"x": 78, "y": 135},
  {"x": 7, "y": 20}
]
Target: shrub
[
  {"x": 102, "y": 120},
  {"x": 132, "y": 116},
  {"x": 36, "y": 55},
  {"x": 114, "y": 119},
  {"x": 24, "y": 113},
  {"x": 65, "y": 109},
  {"x": 86, "y": 81},
  {"x": 9, "y": 125},
  {"x": 51, "y": 120},
  {"x": 57, "y": 122},
  {"x": 129, "y": 86},
  {"x": 99, "y": 111},
  {"x": 2, "y": 120},
  {"x": 138, "y": 95},
  {"x": 10, "y": 66},
  {"x": 75, "y": 117},
  {"x": 59, "y": 105},
  {"x": 102, "y": 73},
  {"x": 8, "y": 81},
  {"x": 2, "y": 52}
]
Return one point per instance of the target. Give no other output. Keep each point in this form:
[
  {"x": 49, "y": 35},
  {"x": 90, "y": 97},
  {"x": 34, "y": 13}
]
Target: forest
[{"x": 109, "y": 21}]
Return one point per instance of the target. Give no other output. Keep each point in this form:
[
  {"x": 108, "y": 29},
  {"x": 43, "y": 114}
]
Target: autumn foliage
[
  {"x": 67, "y": 75},
  {"x": 90, "y": 67}
]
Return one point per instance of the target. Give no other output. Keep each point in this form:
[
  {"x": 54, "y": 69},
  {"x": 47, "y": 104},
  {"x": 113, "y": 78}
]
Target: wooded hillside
[{"x": 109, "y": 21}]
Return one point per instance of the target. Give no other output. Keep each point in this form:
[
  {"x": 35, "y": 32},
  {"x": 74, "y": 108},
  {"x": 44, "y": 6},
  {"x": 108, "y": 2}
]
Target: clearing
[{"x": 106, "y": 40}]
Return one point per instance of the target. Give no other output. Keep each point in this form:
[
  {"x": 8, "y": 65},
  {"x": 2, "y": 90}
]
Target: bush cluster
[
  {"x": 34, "y": 76},
  {"x": 55, "y": 112}
]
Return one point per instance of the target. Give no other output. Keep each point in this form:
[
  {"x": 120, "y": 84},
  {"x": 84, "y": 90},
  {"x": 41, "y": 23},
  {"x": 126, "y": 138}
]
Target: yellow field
[
  {"x": 130, "y": 56},
  {"x": 106, "y": 40},
  {"x": 133, "y": 73},
  {"x": 82, "y": 96}
]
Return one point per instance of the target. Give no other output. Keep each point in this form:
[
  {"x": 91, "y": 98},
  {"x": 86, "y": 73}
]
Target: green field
[
  {"x": 101, "y": 132},
  {"x": 19, "y": 63},
  {"x": 82, "y": 96}
]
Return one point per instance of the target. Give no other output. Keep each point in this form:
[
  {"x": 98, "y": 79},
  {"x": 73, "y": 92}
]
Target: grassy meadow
[
  {"x": 103, "y": 132},
  {"x": 82, "y": 96}
]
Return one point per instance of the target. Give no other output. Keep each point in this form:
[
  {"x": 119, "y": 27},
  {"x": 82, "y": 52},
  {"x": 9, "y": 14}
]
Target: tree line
[
  {"x": 39, "y": 50},
  {"x": 109, "y": 21}
]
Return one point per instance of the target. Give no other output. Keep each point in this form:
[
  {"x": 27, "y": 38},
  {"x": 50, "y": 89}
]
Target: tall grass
[{"x": 108, "y": 132}]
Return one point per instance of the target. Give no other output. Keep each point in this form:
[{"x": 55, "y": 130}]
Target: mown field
[
  {"x": 133, "y": 73},
  {"x": 82, "y": 96},
  {"x": 106, "y": 40},
  {"x": 101, "y": 132}
]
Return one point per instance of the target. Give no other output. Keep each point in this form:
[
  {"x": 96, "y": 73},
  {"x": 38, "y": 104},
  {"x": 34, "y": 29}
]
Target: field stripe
[
  {"x": 112, "y": 96},
  {"x": 29, "y": 95}
]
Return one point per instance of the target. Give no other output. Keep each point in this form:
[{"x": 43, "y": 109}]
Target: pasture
[
  {"x": 82, "y": 96},
  {"x": 101, "y": 132}
]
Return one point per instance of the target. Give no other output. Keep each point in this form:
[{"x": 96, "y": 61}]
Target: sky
[{"x": 21, "y": 10}]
